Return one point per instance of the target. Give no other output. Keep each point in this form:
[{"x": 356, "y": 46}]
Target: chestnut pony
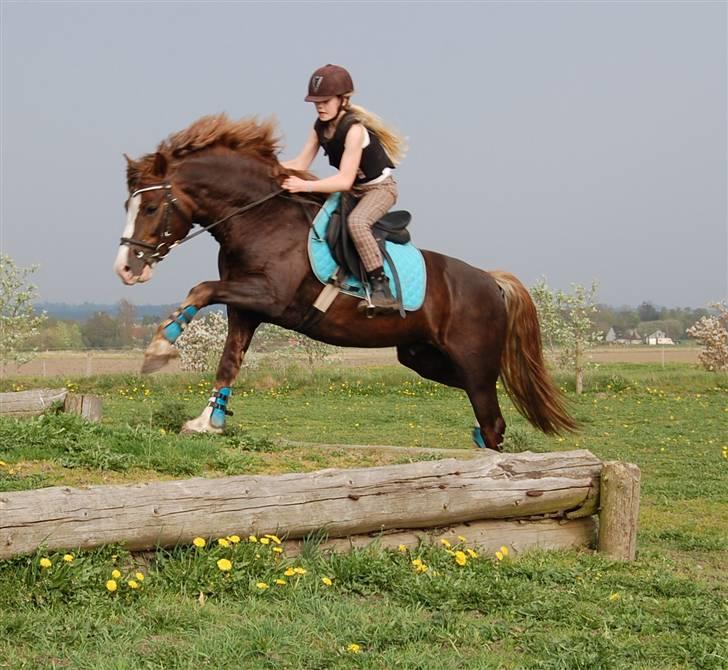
[{"x": 224, "y": 175}]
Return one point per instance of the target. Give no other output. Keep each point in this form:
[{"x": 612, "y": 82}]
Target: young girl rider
[{"x": 364, "y": 151}]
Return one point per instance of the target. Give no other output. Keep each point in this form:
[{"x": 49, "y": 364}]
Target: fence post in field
[{"x": 619, "y": 510}]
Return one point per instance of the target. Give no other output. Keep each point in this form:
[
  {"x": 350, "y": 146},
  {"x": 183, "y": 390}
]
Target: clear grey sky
[{"x": 578, "y": 141}]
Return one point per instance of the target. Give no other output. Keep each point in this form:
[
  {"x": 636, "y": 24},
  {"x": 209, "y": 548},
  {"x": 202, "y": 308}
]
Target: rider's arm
[
  {"x": 344, "y": 179},
  {"x": 304, "y": 159}
]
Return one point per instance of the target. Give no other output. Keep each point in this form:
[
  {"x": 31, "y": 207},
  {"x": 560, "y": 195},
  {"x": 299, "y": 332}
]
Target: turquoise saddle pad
[{"x": 406, "y": 257}]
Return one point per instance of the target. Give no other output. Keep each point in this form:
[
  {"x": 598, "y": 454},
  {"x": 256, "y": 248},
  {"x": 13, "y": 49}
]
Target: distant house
[
  {"x": 629, "y": 336},
  {"x": 658, "y": 337}
]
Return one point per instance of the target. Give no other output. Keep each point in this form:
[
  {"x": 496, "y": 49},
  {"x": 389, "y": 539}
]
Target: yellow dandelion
[
  {"x": 460, "y": 558},
  {"x": 614, "y": 596},
  {"x": 234, "y": 539},
  {"x": 111, "y": 585},
  {"x": 162, "y": 431},
  {"x": 299, "y": 571},
  {"x": 281, "y": 582},
  {"x": 504, "y": 550},
  {"x": 290, "y": 572},
  {"x": 461, "y": 539},
  {"x": 326, "y": 581},
  {"x": 224, "y": 565},
  {"x": 68, "y": 558},
  {"x": 139, "y": 576},
  {"x": 115, "y": 574},
  {"x": 278, "y": 550},
  {"x": 353, "y": 648},
  {"x": 264, "y": 540},
  {"x": 402, "y": 548},
  {"x": 199, "y": 542},
  {"x": 262, "y": 586},
  {"x": 499, "y": 555},
  {"x": 252, "y": 538},
  {"x": 45, "y": 563},
  {"x": 133, "y": 584},
  {"x": 472, "y": 553},
  {"x": 275, "y": 538},
  {"x": 445, "y": 543},
  {"x": 223, "y": 543}
]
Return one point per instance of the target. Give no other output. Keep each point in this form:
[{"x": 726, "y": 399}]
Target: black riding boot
[{"x": 381, "y": 296}]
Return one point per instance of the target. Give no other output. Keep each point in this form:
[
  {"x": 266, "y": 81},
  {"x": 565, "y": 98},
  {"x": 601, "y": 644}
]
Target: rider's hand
[{"x": 297, "y": 185}]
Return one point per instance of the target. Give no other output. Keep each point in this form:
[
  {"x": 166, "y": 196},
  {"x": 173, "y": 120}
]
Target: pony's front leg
[
  {"x": 161, "y": 349},
  {"x": 241, "y": 327},
  {"x": 252, "y": 295}
]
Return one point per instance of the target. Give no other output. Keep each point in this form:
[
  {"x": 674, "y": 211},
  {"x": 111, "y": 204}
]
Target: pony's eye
[{"x": 150, "y": 209}]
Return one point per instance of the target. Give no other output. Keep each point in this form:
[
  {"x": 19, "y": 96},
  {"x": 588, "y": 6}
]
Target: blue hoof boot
[
  {"x": 180, "y": 320},
  {"x": 218, "y": 402},
  {"x": 478, "y": 438}
]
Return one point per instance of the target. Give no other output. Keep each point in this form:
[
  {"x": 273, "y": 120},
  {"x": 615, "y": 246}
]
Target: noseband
[{"x": 159, "y": 251}]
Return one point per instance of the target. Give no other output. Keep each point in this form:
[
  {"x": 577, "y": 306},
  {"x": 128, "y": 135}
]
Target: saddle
[{"x": 391, "y": 227}]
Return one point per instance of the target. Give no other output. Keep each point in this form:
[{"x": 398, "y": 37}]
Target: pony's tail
[{"x": 523, "y": 370}]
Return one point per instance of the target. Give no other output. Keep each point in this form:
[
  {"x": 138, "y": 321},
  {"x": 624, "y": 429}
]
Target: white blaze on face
[{"x": 131, "y": 215}]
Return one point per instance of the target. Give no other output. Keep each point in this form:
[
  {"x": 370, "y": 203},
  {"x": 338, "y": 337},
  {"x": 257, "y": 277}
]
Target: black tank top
[{"x": 373, "y": 157}]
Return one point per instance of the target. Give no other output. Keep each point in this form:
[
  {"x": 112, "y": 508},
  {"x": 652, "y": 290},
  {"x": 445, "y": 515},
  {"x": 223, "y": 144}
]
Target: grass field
[{"x": 559, "y": 610}]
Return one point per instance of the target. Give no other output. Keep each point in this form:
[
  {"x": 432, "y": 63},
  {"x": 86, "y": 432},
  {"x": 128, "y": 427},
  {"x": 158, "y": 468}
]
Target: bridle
[{"x": 154, "y": 253}]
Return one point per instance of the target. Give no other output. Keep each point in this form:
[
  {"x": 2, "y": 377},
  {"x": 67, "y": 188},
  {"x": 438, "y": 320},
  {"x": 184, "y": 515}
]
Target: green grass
[{"x": 557, "y": 610}]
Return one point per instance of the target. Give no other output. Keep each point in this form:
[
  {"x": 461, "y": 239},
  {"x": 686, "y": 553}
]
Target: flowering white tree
[
  {"x": 566, "y": 324},
  {"x": 200, "y": 345},
  {"x": 18, "y": 320},
  {"x": 712, "y": 333}
]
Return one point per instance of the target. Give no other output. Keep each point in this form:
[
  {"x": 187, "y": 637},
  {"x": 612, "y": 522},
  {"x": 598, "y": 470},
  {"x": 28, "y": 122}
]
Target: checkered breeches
[{"x": 373, "y": 203}]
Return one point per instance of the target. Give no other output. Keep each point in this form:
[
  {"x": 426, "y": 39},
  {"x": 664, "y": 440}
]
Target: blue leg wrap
[
  {"x": 179, "y": 322},
  {"x": 218, "y": 402},
  {"x": 478, "y": 438}
]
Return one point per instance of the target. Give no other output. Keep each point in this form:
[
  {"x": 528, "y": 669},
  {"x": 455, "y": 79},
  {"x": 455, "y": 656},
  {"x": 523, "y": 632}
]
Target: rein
[{"x": 163, "y": 248}]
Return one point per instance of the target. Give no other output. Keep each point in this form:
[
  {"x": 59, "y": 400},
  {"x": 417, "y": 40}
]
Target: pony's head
[
  {"x": 155, "y": 221},
  {"x": 159, "y": 213}
]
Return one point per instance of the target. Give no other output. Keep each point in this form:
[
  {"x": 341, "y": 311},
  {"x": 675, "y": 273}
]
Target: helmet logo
[{"x": 316, "y": 82}]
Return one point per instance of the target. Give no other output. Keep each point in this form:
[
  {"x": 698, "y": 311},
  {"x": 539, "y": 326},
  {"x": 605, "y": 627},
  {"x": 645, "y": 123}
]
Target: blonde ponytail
[{"x": 394, "y": 143}]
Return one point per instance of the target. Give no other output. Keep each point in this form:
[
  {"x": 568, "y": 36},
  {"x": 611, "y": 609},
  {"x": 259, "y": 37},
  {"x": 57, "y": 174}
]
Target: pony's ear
[
  {"x": 159, "y": 168},
  {"x": 132, "y": 173}
]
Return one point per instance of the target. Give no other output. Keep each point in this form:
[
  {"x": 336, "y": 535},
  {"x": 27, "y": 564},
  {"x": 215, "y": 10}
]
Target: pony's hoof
[
  {"x": 157, "y": 355},
  {"x": 191, "y": 428},
  {"x": 200, "y": 425}
]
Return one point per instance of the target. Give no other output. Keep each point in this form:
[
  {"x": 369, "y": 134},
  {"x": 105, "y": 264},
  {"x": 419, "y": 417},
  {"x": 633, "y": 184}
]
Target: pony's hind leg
[
  {"x": 480, "y": 385},
  {"x": 430, "y": 363},
  {"x": 241, "y": 327}
]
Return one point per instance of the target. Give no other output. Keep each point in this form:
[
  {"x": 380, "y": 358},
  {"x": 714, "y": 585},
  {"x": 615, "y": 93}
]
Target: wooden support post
[
  {"x": 86, "y": 406},
  {"x": 619, "y": 510}
]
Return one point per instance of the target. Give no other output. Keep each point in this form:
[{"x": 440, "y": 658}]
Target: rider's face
[{"x": 329, "y": 108}]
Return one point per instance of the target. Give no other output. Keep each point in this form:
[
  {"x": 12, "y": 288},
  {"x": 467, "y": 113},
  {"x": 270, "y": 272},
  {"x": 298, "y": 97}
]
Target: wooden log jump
[
  {"x": 525, "y": 500},
  {"x": 38, "y": 401}
]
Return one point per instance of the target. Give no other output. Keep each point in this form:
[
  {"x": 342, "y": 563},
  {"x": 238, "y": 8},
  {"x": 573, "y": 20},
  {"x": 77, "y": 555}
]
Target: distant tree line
[
  {"x": 125, "y": 329},
  {"x": 646, "y": 319}
]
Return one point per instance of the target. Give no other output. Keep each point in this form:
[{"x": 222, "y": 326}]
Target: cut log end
[{"x": 619, "y": 510}]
